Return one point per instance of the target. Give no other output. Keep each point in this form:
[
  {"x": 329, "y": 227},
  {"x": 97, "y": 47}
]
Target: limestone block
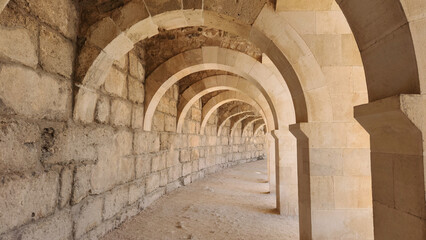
[
  {"x": 116, "y": 83},
  {"x": 152, "y": 197},
  {"x": 327, "y": 48},
  {"x": 17, "y": 45},
  {"x": 326, "y": 162},
  {"x": 136, "y": 91},
  {"x": 27, "y": 198},
  {"x": 136, "y": 68},
  {"x": 322, "y": 192},
  {"x": 350, "y": 51},
  {"x": 81, "y": 186},
  {"x": 122, "y": 63},
  {"x": 24, "y": 91},
  {"x": 84, "y": 109},
  {"x": 156, "y": 7},
  {"x": 303, "y": 22},
  {"x": 185, "y": 156},
  {"x": 137, "y": 116},
  {"x": 158, "y": 163},
  {"x": 56, "y": 227},
  {"x": 152, "y": 182},
  {"x": 356, "y": 162},
  {"x": 136, "y": 191},
  {"x": 186, "y": 168},
  {"x": 352, "y": 192},
  {"x": 18, "y": 146},
  {"x": 158, "y": 122},
  {"x": 56, "y": 53},
  {"x": 143, "y": 166},
  {"x": 172, "y": 158},
  {"x": 146, "y": 142},
  {"x": 115, "y": 201},
  {"x": 192, "y": 4},
  {"x": 392, "y": 224},
  {"x": 174, "y": 173},
  {"x": 121, "y": 113},
  {"x": 303, "y": 5},
  {"x": 163, "y": 178},
  {"x": 169, "y": 123},
  {"x": 331, "y": 22},
  {"x": 66, "y": 186},
  {"x": 341, "y": 224},
  {"x": 194, "y": 140},
  {"x": 114, "y": 165},
  {"x": 103, "y": 109},
  {"x": 244, "y": 11},
  {"x": 87, "y": 216},
  {"x": 60, "y": 14}
]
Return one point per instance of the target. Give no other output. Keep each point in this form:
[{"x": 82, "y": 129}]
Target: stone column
[
  {"x": 304, "y": 186},
  {"x": 334, "y": 181},
  {"x": 397, "y": 131},
  {"x": 286, "y": 172},
  {"x": 270, "y": 151}
]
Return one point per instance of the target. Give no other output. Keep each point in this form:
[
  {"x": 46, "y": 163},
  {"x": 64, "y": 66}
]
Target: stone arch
[
  {"x": 216, "y": 83},
  {"x": 213, "y": 104},
  {"x": 215, "y": 58},
  {"x": 250, "y": 122},
  {"x": 239, "y": 119},
  {"x": 258, "y": 129},
  {"x": 227, "y": 116}
]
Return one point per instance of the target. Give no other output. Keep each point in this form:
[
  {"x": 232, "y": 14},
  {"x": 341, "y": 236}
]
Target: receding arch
[
  {"x": 228, "y": 115},
  {"x": 250, "y": 122},
  {"x": 216, "y": 83},
  {"x": 237, "y": 120},
  {"x": 213, "y": 104},
  {"x": 258, "y": 128}
]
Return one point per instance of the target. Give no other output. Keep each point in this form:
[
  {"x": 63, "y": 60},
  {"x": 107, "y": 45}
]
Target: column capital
[{"x": 395, "y": 123}]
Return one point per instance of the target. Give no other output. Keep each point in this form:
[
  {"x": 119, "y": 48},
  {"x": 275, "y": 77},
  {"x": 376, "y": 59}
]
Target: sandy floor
[{"x": 232, "y": 204}]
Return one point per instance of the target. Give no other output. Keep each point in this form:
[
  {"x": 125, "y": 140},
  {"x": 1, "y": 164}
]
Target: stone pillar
[
  {"x": 397, "y": 131},
  {"x": 304, "y": 186},
  {"x": 334, "y": 183},
  {"x": 286, "y": 172},
  {"x": 270, "y": 151}
]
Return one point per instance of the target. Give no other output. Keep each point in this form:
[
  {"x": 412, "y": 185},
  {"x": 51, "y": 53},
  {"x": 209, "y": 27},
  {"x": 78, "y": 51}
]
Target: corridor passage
[{"x": 232, "y": 204}]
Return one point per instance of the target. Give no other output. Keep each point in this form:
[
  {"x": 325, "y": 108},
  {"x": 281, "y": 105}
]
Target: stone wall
[{"x": 62, "y": 179}]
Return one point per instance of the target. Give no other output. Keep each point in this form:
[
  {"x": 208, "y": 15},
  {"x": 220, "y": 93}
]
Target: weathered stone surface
[
  {"x": 143, "y": 166},
  {"x": 121, "y": 113},
  {"x": 159, "y": 6},
  {"x": 137, "y": 116},
  {"x": 158, "y": 162},
  {"x": 152, "y": 182},
  {"x": 136, "y": 91},
  {"x": 17, "y": 45},
  {"x": 115, "y": 165},
  {"x": 27, "y": 198},
  {"x": 136, "y": 191},
  {"x": 56, "y": 53},
  {"x": 158, "y": 122},
  {"x": 59, "y": 14},
  {"x": 169, "y": 123},
  {"x": 82, "y": 184},
  {"x": 66, "y": 186},
  {"x": 116, "y": 83},
  {"x": 136, "y": 68},
  {"x": 87, "y": 216},
  {"x": 32, "y": 95},
  {"x": 103, "y": 109},
  {"x": 56, "y": 227},
  {"x": 115, "y": 201},
  {"x": 146, "y": 142},
  {"x": 19, "y": 146}
]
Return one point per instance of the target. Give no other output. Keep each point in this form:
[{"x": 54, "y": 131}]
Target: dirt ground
[{"x": 233, "y": 204}]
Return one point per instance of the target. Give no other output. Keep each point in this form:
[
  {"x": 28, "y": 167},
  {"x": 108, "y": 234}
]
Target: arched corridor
[{"x": 107, "y": 106}]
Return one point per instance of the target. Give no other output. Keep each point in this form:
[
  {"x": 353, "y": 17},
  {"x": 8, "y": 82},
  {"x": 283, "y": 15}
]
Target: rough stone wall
[{"x": 61, "y": 179}]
